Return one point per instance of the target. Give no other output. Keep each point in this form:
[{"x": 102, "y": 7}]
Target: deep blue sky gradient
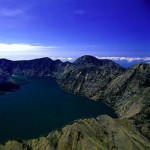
[{"x": 96, "y": 27}]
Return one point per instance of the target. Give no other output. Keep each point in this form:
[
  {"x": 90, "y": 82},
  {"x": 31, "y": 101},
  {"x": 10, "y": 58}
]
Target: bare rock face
[
  {"x": 129, "y": 95},
  {"x": 101, "y": 133},
  {"x": 89, "y": 76},
  {"x": 129, "y": 92}
]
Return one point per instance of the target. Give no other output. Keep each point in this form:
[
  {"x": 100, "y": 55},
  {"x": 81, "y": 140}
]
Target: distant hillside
[{"x": 37, "y": 67}]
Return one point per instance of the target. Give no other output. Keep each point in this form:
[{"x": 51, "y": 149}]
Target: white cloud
[
  {"x": 22, "y": 51},
  {"x": 23, "y": 47},
  {"x": 129, "y": 59},
  {"x": 63, "y": 58},
  {"x": 69, "y": 58},
  {"x": 27, "y": 51}
]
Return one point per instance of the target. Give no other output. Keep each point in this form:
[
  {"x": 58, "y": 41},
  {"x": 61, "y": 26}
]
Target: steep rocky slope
[
  {"x": 129, "y": 95},
  {"x": 89, "y": 76},
  {"x": 101, "y": 133},
  {"x": 129, "y": 92}
]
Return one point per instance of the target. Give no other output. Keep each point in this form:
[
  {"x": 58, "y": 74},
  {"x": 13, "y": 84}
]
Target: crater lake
[{"x": 41, "y": 106}]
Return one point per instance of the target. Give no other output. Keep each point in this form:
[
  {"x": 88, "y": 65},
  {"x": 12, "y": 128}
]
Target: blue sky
[{"x": 71, "y": 28}]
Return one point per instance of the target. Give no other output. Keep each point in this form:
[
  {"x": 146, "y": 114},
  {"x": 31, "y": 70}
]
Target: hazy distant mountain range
[{"x": 125, "y": 90}]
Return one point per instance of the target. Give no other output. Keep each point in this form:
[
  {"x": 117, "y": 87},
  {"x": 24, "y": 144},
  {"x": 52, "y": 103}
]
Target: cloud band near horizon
[
  {"x": 128, "y": 59},
  {"x": 29, "y": 51}
]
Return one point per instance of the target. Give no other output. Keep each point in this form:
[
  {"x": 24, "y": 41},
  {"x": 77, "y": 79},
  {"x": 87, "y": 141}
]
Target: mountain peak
[
  {"x": 88, "y": 60},
  {"x": 43, "y": 58}
]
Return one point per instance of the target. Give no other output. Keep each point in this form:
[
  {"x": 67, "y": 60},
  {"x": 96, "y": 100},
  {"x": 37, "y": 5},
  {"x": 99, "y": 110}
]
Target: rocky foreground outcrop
[{"x": 101, "y": 133}]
